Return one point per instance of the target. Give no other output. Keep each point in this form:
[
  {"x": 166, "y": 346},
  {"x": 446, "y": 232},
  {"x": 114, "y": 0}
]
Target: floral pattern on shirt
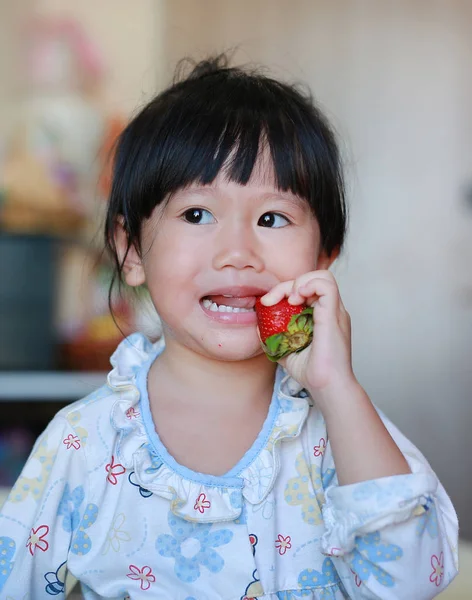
[
  {"x": 306, "y": 490},
  {"x": 428, "y": 521},
  {"x": 7, "y": 551},
  {"x": 69, "y": 508},
  {"x": 437, "y": 562},
  {"x": 143, "y": 491},
  {"x": 143, "y": 575},
  {"x": 370, "y": 551},
  {"x": 56, "y": 580},
  {"x": 116, "y": 535},
  {"x": 37, "y": 539},
  {"x": 199, "y": 539}
]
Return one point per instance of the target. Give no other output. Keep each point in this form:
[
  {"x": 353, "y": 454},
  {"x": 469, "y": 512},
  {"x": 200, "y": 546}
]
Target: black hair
[{"x": 219, "y": 117}]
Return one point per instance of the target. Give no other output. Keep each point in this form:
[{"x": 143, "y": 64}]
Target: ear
[
  {"x": 326, "y": 260},
  {"x": 133, "y": 269}
]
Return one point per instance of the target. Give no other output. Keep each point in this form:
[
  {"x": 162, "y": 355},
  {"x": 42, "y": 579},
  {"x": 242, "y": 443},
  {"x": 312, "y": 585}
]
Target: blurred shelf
[{"x": 48, "y": 385}]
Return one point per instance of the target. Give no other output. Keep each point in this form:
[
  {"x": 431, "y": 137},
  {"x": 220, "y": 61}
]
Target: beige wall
[{"x": 11, "y": 18}]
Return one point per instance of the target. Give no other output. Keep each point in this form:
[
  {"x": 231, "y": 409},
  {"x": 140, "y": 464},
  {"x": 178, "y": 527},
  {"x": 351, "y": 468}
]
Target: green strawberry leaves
[{"x": 298, "y": 336}]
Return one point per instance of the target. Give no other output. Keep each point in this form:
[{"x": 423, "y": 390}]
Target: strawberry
[{"x": 284, "y": 328}]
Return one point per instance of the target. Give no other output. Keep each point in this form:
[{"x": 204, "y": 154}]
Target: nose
[{"x": 237, "y": 247}]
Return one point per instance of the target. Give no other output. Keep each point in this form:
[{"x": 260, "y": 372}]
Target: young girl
[{"x": 202, "y": 470}]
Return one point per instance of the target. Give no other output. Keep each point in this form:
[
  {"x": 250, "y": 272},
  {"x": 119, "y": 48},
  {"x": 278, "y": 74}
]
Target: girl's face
[{"x": 217, "y": 247}]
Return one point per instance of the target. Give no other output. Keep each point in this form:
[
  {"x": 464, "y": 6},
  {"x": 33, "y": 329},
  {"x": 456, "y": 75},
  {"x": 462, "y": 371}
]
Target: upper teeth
[{"x": 223, "y": 308}]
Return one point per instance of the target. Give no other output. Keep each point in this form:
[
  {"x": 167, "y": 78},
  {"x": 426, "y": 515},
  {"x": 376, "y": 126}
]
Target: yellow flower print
[
  {"x": 34, "y": 486},
  {"x": 288, "y": 431},
  {"x": 306, "y": 490},
  {"x": 73, "y": 419},
  {"x": 116, "y": 535}
]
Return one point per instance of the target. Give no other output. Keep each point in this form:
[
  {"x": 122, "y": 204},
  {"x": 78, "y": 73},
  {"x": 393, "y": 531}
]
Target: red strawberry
[{"x": 284, "y": 328}]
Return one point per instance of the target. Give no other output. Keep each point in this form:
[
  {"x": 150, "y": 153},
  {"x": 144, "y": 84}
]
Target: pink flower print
[
  {"x": 320, "y": 449},
  {"x": 113, "y": 470},
  {"x": 132, "y": 413},
  {"x": 202, "y": 503},
  {"x": 438, "y": 569},
  {"x": 72, "y": 441},
  {"x": 37, "y": 539},
  {"x": 283, "y": 543},
  {"x": 144, "y": 575},
  {"x": 356, "y": 578}
]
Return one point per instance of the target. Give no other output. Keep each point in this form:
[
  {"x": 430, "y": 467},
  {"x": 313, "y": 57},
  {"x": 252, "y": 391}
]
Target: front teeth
[{"x": 223, "y": 308}]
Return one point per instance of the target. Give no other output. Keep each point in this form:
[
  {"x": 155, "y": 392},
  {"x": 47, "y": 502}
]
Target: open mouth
[
  {"x": 225, "y": 306},
  {"x": 229, "y": 304}
]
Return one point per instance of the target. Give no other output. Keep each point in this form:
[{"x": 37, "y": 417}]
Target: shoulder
[{"x": 97, "y": 403}]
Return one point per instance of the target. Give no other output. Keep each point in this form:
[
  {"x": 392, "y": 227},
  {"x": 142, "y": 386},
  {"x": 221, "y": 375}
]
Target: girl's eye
[
  {"x": 198, "y": 216},
  {"x": 274, "y": 220}
]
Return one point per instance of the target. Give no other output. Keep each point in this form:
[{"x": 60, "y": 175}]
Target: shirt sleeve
[
  {"x": 41, "y": 519},
  {"x": 394, "y": 537}
]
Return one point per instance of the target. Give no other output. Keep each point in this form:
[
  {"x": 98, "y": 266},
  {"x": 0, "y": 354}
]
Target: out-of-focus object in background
[
  {"x": 15, "y": 446},
  {"x": 114, "y": 126},
  {"x": 28, "y": 276},
  {"x": 50, "y": 167},
  {"x": 89, "y": 334},
  {"x": 48, "y": 181},
  {"x": 35, "y": 198}
]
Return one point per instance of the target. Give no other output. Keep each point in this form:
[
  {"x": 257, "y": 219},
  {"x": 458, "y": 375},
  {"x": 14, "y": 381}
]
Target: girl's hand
[{"x": 326, "y": 363}]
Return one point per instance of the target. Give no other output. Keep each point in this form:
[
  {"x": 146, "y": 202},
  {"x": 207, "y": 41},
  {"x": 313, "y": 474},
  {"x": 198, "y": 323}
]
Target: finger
[
  {"x": 298, "y": 297},
  {"x": 323, "y": 291},
  {"x": 277, "y": 293},
  {"x": 289, "y": 289}
]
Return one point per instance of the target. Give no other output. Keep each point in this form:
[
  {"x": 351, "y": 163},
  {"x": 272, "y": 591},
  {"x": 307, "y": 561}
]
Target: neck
[{"x": 213, "y": 382}]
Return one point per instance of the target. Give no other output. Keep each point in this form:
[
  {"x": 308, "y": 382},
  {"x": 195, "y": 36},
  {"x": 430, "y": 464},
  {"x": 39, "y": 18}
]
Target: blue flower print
[
  {"x": 326, "y": 583},
  {"x": 393, "y": 488},
  {"x": 69, "y": 507},
  {"x": 191, "y": 545},
  {"x": 81, "y": 542},
  {"x": 310, "y": 578},
  {"x": 237, "y": 502},
  {"x": 143, "y": 491},
  {"x": 7, "y": 551},
  {"x": 323, "y": 479},
  {"x": 56, "y": 580},
  {"x": 286, "y": 404},
  {"x": 428, "y": 521},
  {"x": 369, "y": 551}
]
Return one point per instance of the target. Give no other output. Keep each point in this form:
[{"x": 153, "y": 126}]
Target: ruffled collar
[{"x": 196, "y": 496}]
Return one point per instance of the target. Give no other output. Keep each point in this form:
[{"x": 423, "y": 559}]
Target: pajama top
[{"x": 101, "y": 498}]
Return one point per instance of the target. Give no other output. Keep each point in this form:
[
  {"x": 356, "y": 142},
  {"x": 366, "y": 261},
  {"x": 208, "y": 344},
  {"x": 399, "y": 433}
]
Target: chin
[
  {"x": 231, "y": 351},
  {"x": 231, "y": 356}
]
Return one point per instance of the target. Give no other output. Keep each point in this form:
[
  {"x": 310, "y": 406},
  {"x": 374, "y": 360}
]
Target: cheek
[
  {"x": 296, "y": 256},
  {"x": 171, "y": 270}
]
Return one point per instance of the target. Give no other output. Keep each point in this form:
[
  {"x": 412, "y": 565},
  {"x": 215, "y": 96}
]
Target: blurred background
[{"x": 395, "y": 79}]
